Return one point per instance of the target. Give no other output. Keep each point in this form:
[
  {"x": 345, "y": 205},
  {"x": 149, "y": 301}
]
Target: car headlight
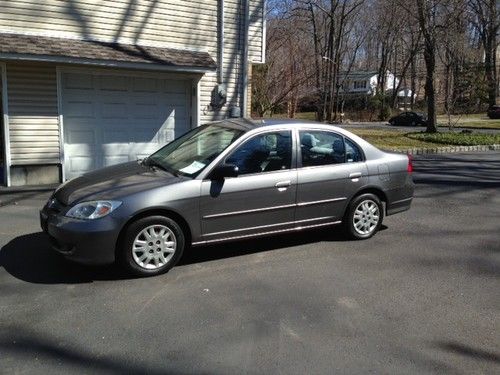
[{"x": 92, "y": 210}]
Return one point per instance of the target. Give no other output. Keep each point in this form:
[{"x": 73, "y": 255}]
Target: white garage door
[{"x": 110, "y": 119}]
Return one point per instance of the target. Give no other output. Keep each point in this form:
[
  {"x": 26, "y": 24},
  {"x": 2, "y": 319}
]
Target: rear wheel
[
  {"x": 152, "y": 245},
  {"x": 364, "y": 216}
]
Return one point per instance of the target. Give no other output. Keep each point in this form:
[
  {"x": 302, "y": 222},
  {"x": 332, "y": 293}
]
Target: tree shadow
[
  {"x": 468, "y": 351},
  {"x": 21, "y": 345}
]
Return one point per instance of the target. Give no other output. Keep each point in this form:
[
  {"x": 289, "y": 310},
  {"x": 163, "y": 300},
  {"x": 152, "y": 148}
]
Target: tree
[
  {"x": 426, "y": 11},
  {"x": 485, "y": 17}
]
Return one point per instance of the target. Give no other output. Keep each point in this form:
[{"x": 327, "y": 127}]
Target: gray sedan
[{"x": 225, "y": 181}]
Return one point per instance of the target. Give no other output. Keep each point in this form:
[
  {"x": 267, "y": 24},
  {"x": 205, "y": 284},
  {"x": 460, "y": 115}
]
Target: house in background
[
  {"x": 364, "y": 83},
  {"x": 90, "y": 83}
]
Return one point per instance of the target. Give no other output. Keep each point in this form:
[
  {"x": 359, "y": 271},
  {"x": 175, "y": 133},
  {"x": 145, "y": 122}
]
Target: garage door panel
[
  {"x": 78, "y": 81},
  {"x": 114, "y": 110},
  {"x": 115, "y": 136},
  {"x": 79, "y": 109},
  {"x": 81, "y": 164},
  {"x": 146, "y": 111},
  {"x": 113, "y": 83},
  {"x": 140, "y": 151},
  {"x": 119, "y": 118},
  {"x": 147, "y": 85},
  {"x": 83, "y": 137},
  {"x": 174, "y": 87},
  {"x": 115, "y": 159}
]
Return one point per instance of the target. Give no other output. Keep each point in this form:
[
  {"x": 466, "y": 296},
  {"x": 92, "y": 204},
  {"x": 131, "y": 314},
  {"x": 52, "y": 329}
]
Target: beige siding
[
  {"x": 33, "y": 114},
  {"x": 255, "y": 30},
  {"x": 181, "y": 24}
]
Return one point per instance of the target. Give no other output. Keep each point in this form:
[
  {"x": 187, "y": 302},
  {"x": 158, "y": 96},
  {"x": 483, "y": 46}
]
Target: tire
[
  {"x": 358, "y": 215},
  {"x": 152, "y": 246}
]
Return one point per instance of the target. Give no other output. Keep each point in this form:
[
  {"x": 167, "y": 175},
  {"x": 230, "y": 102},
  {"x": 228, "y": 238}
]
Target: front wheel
[
  {"x": 152, "y": 245},
  {"x": 364, "y": 216}
]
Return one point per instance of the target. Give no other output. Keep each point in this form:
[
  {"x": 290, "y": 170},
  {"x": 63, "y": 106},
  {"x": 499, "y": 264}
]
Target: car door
[
  {"x": 330, "y": 168},
  {"x": 261, "y": 198}
]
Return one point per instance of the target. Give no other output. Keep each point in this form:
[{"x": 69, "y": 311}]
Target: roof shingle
[{"x": 96, "y": 50}]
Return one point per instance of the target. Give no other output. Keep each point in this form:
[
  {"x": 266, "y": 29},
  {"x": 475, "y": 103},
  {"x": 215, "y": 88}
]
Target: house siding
[
  {"x": 33, "y": 114},
  {"x": 183, "y": 24}
]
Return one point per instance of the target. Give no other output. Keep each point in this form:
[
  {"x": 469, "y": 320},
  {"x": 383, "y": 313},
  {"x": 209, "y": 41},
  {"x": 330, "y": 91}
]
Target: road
[{"x": 422, "y": 296}]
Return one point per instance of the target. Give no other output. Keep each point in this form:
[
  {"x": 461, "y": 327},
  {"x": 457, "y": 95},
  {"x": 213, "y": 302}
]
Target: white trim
[
  {"x": 264, "y": 33},
  {"x": 122, "y": 72},
  {"x": 6, "y": 132},
  {"x": 61, "y": 123},
  {"x": 198, "y": 104},
  {"x": 244, "y": 100},
  {"x": 104, "y": 63}
]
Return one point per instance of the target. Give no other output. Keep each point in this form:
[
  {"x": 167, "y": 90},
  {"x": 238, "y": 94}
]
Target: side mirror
[{"x": 224, "y": 170}]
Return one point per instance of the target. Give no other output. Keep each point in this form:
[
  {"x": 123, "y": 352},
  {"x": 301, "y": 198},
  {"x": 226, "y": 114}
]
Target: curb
[{"x": 446, "y": 149}]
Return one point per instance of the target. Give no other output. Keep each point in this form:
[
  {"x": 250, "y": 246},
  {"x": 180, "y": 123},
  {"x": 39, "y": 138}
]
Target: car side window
[
  {"x": 352, "y": 152},
  {"x": 321, "y": 148},
  {"x": 263, "y": 153}
]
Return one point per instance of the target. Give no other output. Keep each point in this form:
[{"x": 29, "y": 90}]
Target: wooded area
[{"x": 442, "y": 52}]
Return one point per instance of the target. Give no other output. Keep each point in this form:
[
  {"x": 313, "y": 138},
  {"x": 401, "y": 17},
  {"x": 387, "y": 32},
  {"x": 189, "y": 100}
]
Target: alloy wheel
[
  {"x": 366, "y": 217},
  {"x": 154, "y": 246}
]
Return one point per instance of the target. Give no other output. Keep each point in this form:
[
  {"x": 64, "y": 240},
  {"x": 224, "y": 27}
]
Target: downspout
[
  {"x": 6, "y": 133},
  {"x": 245, "y": 58},
  {"x": 220, "y": 45}
]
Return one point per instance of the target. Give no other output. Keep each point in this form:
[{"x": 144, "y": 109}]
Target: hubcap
[
  {"x": 366, "y": 217},
  {"x": 154, "y": 246}
]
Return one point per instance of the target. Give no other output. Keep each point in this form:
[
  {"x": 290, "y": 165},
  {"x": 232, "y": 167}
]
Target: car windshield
[{"x": 189, "y": 154}]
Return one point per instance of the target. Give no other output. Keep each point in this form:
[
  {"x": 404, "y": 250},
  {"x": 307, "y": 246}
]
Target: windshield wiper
[{"x": 149, "y": 162}]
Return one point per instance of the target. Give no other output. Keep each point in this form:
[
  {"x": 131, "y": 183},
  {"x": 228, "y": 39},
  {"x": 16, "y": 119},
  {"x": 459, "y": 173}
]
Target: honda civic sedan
[{"x": 226, "y": 181}]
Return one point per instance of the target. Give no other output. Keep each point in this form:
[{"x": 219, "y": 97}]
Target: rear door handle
[
  {"x": 355, "y": 175},
  {"x": 282, "y": 185}
]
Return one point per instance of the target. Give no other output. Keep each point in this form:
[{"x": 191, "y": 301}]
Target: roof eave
[{"x": 107, "y": 63}]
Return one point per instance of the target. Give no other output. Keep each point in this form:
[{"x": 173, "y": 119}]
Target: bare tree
[{"x": 485, "y": 17}]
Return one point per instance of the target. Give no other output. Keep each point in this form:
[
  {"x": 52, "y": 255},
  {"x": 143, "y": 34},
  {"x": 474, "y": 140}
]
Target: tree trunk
[
  {"x": 413, "y": 82},
  {"x": 430, "y": 67},
  {"x": 490, "y": 71}
]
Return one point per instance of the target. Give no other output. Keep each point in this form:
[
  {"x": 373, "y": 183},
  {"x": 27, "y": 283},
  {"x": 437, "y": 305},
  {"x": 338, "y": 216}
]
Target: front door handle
[
  {"x": 282, "y": 185},
  {"x": 355, "y": 175}
]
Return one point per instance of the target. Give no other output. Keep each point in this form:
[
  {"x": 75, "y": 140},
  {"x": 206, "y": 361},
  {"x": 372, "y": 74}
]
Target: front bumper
[{"x": 83, "y": 241}]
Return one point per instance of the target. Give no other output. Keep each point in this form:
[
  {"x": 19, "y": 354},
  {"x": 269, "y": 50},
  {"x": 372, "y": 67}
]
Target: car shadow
[
  {"x": 231, "y": 249},
  {"x": 30, "y": 258}
]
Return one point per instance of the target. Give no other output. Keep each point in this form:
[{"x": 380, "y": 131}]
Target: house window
[{"x": 359, "y": 84}]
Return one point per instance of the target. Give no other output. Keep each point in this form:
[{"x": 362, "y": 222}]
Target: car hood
[{"x": 113, "y": 182}]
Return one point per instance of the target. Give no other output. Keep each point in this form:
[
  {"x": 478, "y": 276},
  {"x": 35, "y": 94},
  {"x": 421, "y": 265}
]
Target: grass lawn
[
  {"x": 478, "y": 120},
  {"x": 390, "y": 139}
]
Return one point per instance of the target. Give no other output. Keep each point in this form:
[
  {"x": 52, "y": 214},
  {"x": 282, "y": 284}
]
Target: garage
[{"x": 111, "y": 118}]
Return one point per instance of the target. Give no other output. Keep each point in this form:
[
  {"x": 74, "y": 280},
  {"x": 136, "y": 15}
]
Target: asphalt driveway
[{"x": 422, "y": 296}]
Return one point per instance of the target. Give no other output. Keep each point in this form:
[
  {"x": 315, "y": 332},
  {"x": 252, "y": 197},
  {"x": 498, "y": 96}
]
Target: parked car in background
[
  {"x": 494, "y": 112},
  {"x": 409, "y": 119},
  {"x": 224, "y": 181}
]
